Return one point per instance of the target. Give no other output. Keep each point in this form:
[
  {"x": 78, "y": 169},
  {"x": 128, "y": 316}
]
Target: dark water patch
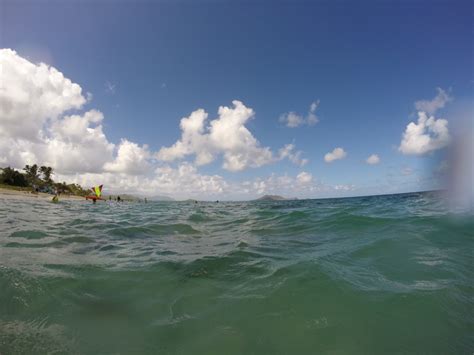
[
  {"x": 54, "y": 244},
  {"x": 29, "y": 234},
  {"x": 108, "y": 247},
  {"x": 165, "y": 252}
]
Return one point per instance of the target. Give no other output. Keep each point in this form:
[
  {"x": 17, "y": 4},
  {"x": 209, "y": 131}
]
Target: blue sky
[{"x": 366, "y": 63}]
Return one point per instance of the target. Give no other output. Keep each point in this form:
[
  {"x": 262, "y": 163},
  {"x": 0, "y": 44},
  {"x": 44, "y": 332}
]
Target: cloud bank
[{"x": 43, "y": 120}]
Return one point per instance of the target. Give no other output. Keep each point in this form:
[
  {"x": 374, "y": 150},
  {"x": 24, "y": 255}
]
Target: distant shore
[{"x": 11, "y": 193}]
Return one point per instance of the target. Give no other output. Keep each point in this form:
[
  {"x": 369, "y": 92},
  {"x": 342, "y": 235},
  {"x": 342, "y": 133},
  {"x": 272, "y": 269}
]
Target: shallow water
[{"x": 386, "y": 274}]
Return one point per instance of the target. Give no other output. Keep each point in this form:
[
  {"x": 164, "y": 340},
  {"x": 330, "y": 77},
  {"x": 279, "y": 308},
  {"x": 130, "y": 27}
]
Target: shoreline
[{"x": 12, "y": 194}]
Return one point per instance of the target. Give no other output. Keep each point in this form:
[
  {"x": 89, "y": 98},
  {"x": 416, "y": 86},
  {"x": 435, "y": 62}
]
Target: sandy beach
[{"x": 15, "y": 194}]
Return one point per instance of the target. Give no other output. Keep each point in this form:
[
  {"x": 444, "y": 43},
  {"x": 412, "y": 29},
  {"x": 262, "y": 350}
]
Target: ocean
[{"x": 368, "y": 275}]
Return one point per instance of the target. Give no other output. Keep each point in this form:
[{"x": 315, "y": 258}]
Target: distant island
[{"x": 274, "y": 198}]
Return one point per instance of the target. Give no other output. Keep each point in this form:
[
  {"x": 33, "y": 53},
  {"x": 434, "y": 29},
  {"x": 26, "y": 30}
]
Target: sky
[{"x": 236, "y": 99}]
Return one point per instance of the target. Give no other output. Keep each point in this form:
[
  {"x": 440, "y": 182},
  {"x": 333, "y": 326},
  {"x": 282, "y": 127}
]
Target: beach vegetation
[
  {"x": 31, "y": 174},
  {"x": 9, "y": 176},
  {"x": 37, "y": 179},
  {"x": 46, "y": 172}
]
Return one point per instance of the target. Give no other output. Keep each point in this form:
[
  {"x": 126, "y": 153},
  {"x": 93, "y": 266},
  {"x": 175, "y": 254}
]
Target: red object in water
[{"x": 95, "y": 198}]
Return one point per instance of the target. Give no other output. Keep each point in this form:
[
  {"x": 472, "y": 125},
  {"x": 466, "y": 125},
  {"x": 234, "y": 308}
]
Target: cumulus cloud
[
  {"x": 35, "y": 126},
  {"x": 183, "y": 181},
  {"x": 336, "y": 154},
  {"x": 304, "y": 177},
  {"x": 427, "y": 135},
  {"x": 438, "y": 102},
  {"x": 131, "y": 159},
  {"x": 76, "y": 143},
  {"x": 373, "y": 159},
  {"x": 226, "y": 135},
  {"x": 42, "y": 121},
  {"x": 292, "y": 119},
  {"x": 32, "y": 94},
  {"x": 193, "y": 140}
]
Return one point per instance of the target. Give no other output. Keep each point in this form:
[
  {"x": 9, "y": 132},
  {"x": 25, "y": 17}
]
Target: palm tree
[
  {"x": 31, "y": 173},
  {"x": 47, "y": 171}
]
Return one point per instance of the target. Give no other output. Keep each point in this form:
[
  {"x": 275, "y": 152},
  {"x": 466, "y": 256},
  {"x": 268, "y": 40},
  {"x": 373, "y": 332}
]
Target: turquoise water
[{"x": 371, "y": 275}]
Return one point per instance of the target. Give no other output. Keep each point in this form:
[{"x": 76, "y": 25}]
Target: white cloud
[
  {"x": 295, "y": 157},
  {"x": 229, "y": 135},
  {"x": 304, "y": 177},
  {"x": 34, "y": 99},
  {"x": 76, "y": 143},
  {"x": 37, "y": 126},
  {"x": 373, "y": 159},
  {"x": 344, "y": 187},
  {"x": 226, "y": 135},
  {"x": 293, "y": 120},
  {"x": 312, "y": 119},
  {"x": 337, "y": 153},
  {"x": 31, "y": 94},
  {"x": 304, "y": 185},
  {"x": 431, "y": 106},
  {"x": 131, "y": 159},
  {"x": 193, "y": 140},
  {"x": 428, "y": 135},
  {"x": 184, "y": 181},
  {"x": 314, "y": 105}
]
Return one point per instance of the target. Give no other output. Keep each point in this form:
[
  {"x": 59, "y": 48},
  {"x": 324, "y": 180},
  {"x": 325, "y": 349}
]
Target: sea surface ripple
[{"x": 366, "y": 275}]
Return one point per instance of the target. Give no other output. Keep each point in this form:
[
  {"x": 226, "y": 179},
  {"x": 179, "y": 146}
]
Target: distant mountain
[
  {"x": 274, "y": 198},
  {"x": 160, "y": 198}
]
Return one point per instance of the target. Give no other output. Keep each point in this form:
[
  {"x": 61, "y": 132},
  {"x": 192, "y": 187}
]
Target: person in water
[
  {"x": 118, "y": 199},
  {"x": 55, "y": 198}
]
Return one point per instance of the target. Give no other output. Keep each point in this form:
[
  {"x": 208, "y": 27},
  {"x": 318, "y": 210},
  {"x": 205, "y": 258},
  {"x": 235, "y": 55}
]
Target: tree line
[{"x": 38, "y": 178}]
